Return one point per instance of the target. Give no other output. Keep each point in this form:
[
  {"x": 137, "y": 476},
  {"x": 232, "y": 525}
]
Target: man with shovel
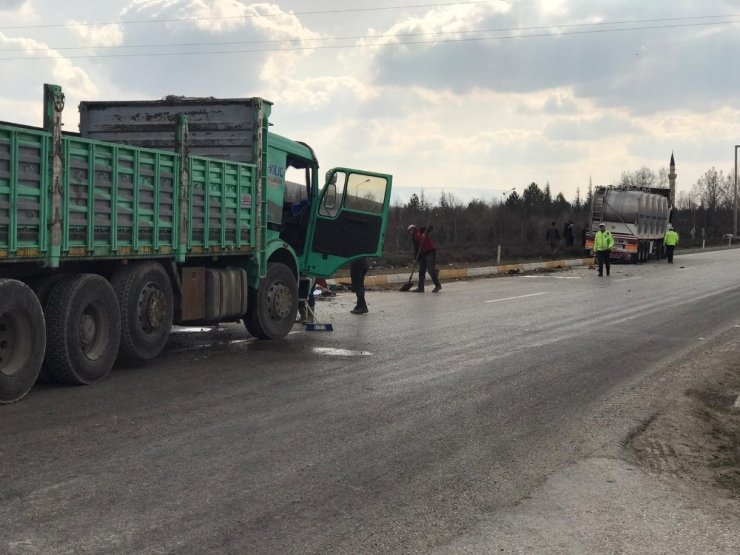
[{"x": 426, "y": 253}]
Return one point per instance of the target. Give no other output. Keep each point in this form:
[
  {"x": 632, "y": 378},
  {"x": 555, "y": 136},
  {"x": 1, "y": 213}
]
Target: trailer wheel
[
  {"x": 22, "y": 339},
  {"x": 272, "y": 308},
  {"x": 43, "y": 286},
  {"x": 146, "y": 301},
  {"x": 83, "y": 329}
]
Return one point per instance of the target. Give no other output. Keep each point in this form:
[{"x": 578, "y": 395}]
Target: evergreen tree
[
  {"x": 513, "y": 201},
  {"x": 561, "y": 204},
  {"x": 533, "y": 198},
  {"x": 414, "y": 205}
]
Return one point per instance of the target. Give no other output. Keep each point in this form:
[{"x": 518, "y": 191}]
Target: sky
[{"x": 472, "y": 99}]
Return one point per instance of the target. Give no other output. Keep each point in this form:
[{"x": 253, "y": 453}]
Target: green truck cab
[{"x": 174, "y": 211}]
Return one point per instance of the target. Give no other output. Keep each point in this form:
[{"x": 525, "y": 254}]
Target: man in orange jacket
[{"x": 426, "y": 253}]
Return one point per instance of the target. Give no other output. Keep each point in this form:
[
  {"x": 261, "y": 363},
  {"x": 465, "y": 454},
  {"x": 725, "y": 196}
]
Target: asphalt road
[{"x": 399, "y": 432}]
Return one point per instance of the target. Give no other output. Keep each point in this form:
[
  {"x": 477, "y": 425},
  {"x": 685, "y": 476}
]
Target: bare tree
[
  {"x": 644, "y": 177},
  {"x": 709, "y": 189}
]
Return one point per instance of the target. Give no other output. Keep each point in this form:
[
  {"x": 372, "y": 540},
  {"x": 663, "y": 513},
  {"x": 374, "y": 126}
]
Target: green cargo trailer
[{"x": 175, "y": 211}]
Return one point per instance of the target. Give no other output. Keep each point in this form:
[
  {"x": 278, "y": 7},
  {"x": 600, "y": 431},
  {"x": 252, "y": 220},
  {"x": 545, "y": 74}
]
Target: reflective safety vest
[
  {"x": 603, "y": 240},
  {"x": 671, "y": 238}
]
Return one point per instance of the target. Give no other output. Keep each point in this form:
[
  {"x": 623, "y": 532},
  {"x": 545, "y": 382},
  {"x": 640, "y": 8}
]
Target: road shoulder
[{"x": 670, "y": 484}]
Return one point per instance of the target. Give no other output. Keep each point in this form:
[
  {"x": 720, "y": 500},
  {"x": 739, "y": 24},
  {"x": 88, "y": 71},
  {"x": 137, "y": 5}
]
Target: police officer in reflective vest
[
  {"x": 670, "y": 241},
  {"x": 603, "y": 243}
]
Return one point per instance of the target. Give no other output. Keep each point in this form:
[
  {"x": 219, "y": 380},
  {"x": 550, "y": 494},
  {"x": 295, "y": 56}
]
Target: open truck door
[{"x": 348, "y": 220}]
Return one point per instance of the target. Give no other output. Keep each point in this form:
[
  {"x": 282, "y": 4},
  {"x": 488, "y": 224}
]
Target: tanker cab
[{"x": 348, "y": 220}]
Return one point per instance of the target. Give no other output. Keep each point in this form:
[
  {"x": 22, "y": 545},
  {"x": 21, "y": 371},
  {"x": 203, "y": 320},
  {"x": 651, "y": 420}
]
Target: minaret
[{"x": 672, "y": 180}]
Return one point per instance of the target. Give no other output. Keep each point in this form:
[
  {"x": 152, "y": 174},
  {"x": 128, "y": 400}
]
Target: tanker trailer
[{"x": 637, "y": 218}]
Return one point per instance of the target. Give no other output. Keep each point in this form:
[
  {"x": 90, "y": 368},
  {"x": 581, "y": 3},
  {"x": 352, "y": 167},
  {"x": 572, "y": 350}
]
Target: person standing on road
[
  {"x": 552, "y": 238},
  {"x": 357, "y": 272},
  {"x": 603, "y": 243},
  {"x": 670, "y": 241},
  {"x": 569, "y": 234},
  {"x": 426, "y": 252}
]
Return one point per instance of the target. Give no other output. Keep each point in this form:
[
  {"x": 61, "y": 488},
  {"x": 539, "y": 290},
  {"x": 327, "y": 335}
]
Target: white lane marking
[
  {"x": 552, "y": 277},
  {"x": 340, "y": 352},
  {"x": 629, "y": 278},
  {"x": 519, "y": 297}
]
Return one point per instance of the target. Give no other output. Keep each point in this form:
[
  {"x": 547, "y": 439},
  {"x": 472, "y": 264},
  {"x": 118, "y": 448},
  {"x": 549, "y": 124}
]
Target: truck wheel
[
  {"x": 22, "y": 339},
  {"x": 83, "y": 329},
  {"x": 146, "y": 301},
  {"x": 272, "y": 308},
  {"x": 42, "y": 286}
]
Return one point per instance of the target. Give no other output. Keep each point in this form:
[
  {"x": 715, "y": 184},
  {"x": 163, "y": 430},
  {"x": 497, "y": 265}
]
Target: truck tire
[
  {"x": 22, "y": 339},
  {"x": 146, "y": 301},
  {"x": 83, "y": 329},
  {"x": 272, "y": 308},
  {"x": 42, "y": 286}
]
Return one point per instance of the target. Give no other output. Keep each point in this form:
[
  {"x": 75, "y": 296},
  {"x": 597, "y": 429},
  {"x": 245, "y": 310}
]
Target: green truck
[{"x": 182, "y": 211}]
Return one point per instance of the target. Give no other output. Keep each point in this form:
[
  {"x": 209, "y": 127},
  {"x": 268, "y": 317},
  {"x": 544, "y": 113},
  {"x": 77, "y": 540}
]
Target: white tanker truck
[{"x": 637, "y": 217}]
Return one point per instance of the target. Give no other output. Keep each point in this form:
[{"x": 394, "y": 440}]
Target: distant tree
[
  {"x": 423, "y": 202},
  {"x": 533, "y": 198},
  {"x": 644, "y": 177},
  {"x": 513, "y": 201},
  {"x": 662, "y": 180},
  {"x": 414, "y": 204},
  {"x": 561, "y": 204},
  {"x": 547, "y": 195},
  {"x": 577, "y": 203},
  {"x": 727, "y": 184},
  {"x": 710, "y": 189}
]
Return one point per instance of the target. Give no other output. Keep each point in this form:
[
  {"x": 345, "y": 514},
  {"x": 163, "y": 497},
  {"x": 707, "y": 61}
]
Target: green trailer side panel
[
  {"x": 23, "y": 194},
  {"x": 221, "y": 212},
  {"x": 119, "y": 201}
]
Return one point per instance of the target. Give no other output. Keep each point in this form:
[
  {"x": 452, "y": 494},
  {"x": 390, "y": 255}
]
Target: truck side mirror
[{"x": 330, "y": 196}]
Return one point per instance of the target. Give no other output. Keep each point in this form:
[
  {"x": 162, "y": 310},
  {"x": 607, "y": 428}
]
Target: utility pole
[{"x": 734, "y": 231}]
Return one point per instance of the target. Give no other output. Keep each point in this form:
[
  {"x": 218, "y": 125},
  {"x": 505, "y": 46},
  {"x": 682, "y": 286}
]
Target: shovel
[
  {"x": 410, "y": 283},
  {"x": 315, "y": 325}
]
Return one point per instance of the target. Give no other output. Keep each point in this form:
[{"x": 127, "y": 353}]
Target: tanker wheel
[
  {"x": 146, "y": 300},
  {"x": 272, "y": 308},
  {"x": 22, "y": 339},
  {"x": 83, "y": 329}
]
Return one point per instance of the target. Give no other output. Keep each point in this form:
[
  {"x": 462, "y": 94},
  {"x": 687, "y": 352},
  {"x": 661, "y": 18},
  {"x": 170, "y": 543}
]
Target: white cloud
[
  {"x": 24, "y": 93},
  {"x": 98, "y": 35},
  {"x": 14, "y": 5}
]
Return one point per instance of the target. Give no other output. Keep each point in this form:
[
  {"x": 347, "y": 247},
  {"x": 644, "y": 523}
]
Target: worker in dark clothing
[
  {"x": 569, "y": 234},
  {"x": 357, "y": 272},
  {"x": 552, "y": 238},
  {"x": 426, "y": 253}
]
